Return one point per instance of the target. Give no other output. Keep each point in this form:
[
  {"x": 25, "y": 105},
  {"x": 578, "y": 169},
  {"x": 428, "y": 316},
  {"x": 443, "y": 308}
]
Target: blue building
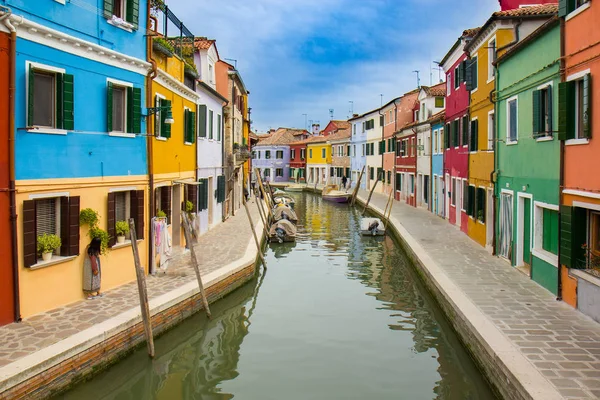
[
  {"x": 437, "y": 167},
  {"x": 80, "y": 101},
  {"x": 358, "y": 142}
]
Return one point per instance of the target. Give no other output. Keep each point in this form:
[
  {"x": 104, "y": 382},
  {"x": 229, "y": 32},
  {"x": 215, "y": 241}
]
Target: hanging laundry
[{"x": 164, "y": 249}]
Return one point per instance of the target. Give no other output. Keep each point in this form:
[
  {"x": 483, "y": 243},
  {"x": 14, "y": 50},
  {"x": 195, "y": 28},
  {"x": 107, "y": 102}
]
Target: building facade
[
  {"x": 437, "y": 165},
  {"x": 78, "y": 119},
  {"x": 341, "y": 152},
  {"x": 579, "y": 113},
  {"x": 390, "y": 126},
  {"x": 358, "y": 161},
  {"x": 298, "y": 161},
  {"x": 527, "y": 109},
  {"x": 318, "y": 162},
  {"x": 272, "y": 155}
]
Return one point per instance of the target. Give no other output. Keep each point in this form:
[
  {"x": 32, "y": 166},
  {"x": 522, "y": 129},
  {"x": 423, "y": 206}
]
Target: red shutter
[
  {"x": 29, "y": 233},
  {"x": 136, "y": 207},
  {"x": 110, "y": 220},
  {"x": 193, "y": 196},
  {"x": 64, "y": 226},
  {"x": 74, "y": 206}
]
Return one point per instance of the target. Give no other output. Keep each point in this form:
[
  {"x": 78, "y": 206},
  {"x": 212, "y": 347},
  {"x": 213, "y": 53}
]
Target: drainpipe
[
  {"x": 561, "y": 179},
  {"x": 515, "y": 40},
  {"x": 395, "y": 145},
  {"x": 149, "y": 137},
  {"x": 495, "y": 145},
  {"x": 11, "y": 160},
  {"x": 223, "y": 162},
  {"x": 232, "y": 143},
  {"x": 382, "y": 154}
]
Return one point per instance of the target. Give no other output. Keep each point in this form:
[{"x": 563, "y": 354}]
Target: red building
[
  {"x": 298, "y": 161},
  {"x": 334, "y": 126},
  {"x": 456, "y": 131},
  {"x": 511, "y": 4},
  {"x": 7, "y": 283},
  {"x": 406, "y": 148}
]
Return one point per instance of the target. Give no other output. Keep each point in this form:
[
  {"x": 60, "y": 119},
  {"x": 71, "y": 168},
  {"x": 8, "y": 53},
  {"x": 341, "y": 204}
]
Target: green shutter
[
  {"x": 447, "y": 136},
  {"x": 202, "y": 120},
  {"x": 108, "y": 9},
  {"x": 566, "y": 111},
  {"x": 30, "y": 95},
  {"x": 587, "y": 106},
  {"x": 165, "y": 128},
  {"x": 219, "y": 117},
  {"x": 186, "y": 126},
  {"x": 202, "y": 200},
  {"x": 469, "y": 75},
  {"x": 68, "y": 102},
  {"x": 537, "y": 112},
  {"x": 59, "y": 101},
  {"x": 474, "y": 132},
  {"x": 451, "y": 136},
  {"x": 129, "y": 119},
  {"x": 109, "y": 107},
  {"x": 563, "y": 8},
  {"x": 371, "y": 173},
  {"x": 193, "y": 127},
  {"x": 220, "y": 188},
  {"x": 133, "y": 12},
  {"x": 550, "y": 231},
  {"x": 136, "y": 115}
]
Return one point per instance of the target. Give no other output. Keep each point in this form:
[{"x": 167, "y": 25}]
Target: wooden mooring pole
[
  {"x": 263, "y": 218},
  {"x": 262, "y": 258},
  {"x": 357, "y": 187},
  {"x": 387, "y": 212},
  {"x": 142, "y": 290},
  {"x": 370, "y": 194},
  {"x": 188, "y": 240}
]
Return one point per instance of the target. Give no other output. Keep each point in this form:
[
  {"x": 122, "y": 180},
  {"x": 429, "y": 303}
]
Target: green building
[{"x": 528, "y": 154}]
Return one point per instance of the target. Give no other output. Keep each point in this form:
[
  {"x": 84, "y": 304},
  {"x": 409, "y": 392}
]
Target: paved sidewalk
[
  {"x": 218, "y": 247},
  {"x": 559, "y": 341}
]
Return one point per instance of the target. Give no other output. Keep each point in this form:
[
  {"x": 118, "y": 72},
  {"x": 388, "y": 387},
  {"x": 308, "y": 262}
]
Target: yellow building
[
  {"x": 318, "y": 160},
  {"x": 493, "y": 39}
]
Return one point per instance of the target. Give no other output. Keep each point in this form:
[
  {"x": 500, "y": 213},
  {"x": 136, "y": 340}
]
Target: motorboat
[
  {"x": 333, "y": 193},
  {"x": 294, "y": 188},
  {"x": 281, "y": 212},
  {"x": 279, "y": 192},
  {"x": 372, "y": 227},
  {"x": 285, "y": 200},
  {"x": 282, "y": 231}
]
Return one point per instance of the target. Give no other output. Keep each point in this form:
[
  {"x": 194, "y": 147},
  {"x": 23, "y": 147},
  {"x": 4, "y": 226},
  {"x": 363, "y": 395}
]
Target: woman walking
[{"x": 92, "y": 272}]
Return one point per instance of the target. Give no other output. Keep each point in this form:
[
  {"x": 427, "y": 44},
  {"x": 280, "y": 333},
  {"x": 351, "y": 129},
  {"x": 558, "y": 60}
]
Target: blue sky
[{"x": 308, "y": 56}]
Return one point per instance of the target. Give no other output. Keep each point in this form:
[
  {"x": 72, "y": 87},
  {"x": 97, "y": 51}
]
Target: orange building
[
  {"x": 579, "y": 129},
  {"x": 7, "y": 292}
]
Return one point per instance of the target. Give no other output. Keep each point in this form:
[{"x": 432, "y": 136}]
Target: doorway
[
  {"x": 176, "y": 222},
  {"x": 490, "y": 219},
  {"x": 505, "y": 225},
  {"x": 523, "y": 247},
  {"x": 447, "y": 200},
  {"x": 458, "y": 196}
]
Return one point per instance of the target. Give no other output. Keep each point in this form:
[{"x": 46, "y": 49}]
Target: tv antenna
[
  {"x": 331, "y": 114},
  {"x": 418, "y": 79},
  {"x": 234, "y": 62}
]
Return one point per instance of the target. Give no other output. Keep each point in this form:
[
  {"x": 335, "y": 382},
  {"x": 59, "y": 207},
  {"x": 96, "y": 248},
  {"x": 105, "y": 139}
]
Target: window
[
  {"x": 254, "y": 155},
  {"x": 575, "y": 109},
  {"x": 420, "y": 147},
  {"x": 211, "y": 73},
  {"x": 348, "y": 151},
  {"x": 302, "y": 154},
  {"x": 389, "y": 177},
  {"x": 448, "y": 83},
  {"x": 123, "y": 10},
  {"x": 511, "y": 120},
  {"x": 391, "y": 118},
  {"x": 453, "y": 194},
  {"x": 279, "y": 172},
  {"x": 279, "y": 154},
  {"x": 411, "y": 182},
  {"x": 50, "y": 98},
  {"x": 491, "y": 130},
  {"x": 371, "y": 173},
  {"x": 210, "y": 124},
  {"x": 570, "y": 6},
  {"x": 398, "y": 182},
  {"x": 471, "y": 201},
  {"x": 310, "y": 153},
  {"x": 491, "y": 59},
  {"x": 456, "y": 133},
  {"x": 353, "y": 151},
  {"x": 189, "y": 126},
  {"x": 323, "y": 153},
  {"x": 441, "y": 140},
  {"x": 119, "y": 105},
  {"x": 474, "y": 135},
  {"x": 161, "y": 128},
  {"x": 465, "y": 130},
  {"x": 363, "y": 150},
  {"x": 480, "y": 205},
  {"x": 370, "y": 124},
  {"x": 423, "y": 111},
  {"x": 439, "y": 102},
  {"x": 435, "y": 141},
  {"x": 471, "y": 74},
  {"x": 465, "y": 194},
  {"x": 258, "y": 155},
  {"x": 364, "y": 126},
  {"x": 293, "y": 154},
  {"x": 162, "y": 201},
  {"x": 354, "y": 129},
  {"x": 219, "y": 127},
  {"x": 267, "y": 154},
  {"x": 415, "y": 115},
  {"x": 550, "y": 231},
  {"x": 412, "y": 146},
  {"x": 456, "y": 78},
  {"x": 594, "y": 239}
]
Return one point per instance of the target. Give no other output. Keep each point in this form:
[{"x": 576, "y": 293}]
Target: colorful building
[
  {"x": 318, "y": 162},
  {"x": 80, "y": 97},
  {"x": 437, "y": 165},
  {"x": 390, "y": 126},
  {"x": 340, "y": 155},
  {"x": 272, "y": 155},
  {"x": 512, "y": 4},
  {"x": 375, "y": 147},
  {"x": 499, "y": 33},
  {"x": 8, "y": 284},
  {"x": 358, "y": 142},
  {"x": 298, "y": 158},
  {"x": 456, "y": 155},
  {"x": 406, "y": 113},
  {"x": 527, "y": 79},
  {"x": 579, "y": 116}
]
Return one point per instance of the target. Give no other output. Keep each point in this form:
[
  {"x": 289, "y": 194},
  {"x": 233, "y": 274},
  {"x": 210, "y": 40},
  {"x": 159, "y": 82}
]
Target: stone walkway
[
  {"x": 559, "y": 341},
  {"x": 218, "y": 247}
]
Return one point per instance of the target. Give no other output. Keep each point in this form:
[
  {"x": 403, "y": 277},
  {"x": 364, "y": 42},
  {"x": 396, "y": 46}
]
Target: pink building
[{"x": 456, "y": 132}]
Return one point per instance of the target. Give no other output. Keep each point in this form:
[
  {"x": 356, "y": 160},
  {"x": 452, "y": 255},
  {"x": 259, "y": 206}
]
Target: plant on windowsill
[
  {"x": 162, "y": 46},
  {"x": 121, "y": 229},
  {"x": 47, "y": 244}
]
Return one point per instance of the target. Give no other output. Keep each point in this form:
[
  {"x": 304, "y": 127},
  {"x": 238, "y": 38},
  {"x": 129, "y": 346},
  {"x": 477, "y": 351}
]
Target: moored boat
[
  {"x": 332, "y": 193},
  {"x": 285, "y": 200},
  {"x": 294, "y": 188},
  {"x": 282, "y": 231},
  {"x": 372, "y": 227},
  {"x": 281, "y": 212}
]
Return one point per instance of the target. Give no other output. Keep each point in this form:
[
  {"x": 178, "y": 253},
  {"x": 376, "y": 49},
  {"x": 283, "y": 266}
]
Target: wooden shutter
[
  {"x": 372, "y": 172},
  {"x": 132, "y": 14},
  {"x": 473, "y": 141},
  {"x": 165, "y": 128},
  {"x": 563, "y": 8},
  {"x": 451, "y": 136},
  {"x": 110, "y": 220},
  {"x": 58, "y": 95},
  {"x": 566, "y": 112},
  {"x": 30, "y": 98},
  {"x": 587, "y": 106},
  {"x": 465, "y": 130},
  {"x": 550, "y": 110},
  {"x": 134, "y": 110},
  {"x": 469, "y": 75},
  {"x": 221, "y": 188},
  {"x": 64, "y": 226},
  {"x": 68, "y": 102},
  {"x": 471, "y": 201},
  {"x": 537, "y": 112},
  {"x": 74, "y": 207},
  {"x": 136, "y": 211},
  {"x": 447, "y": 134},
  {"x": 186, "y": 126},
  {"x": 202, "y": 120},
  {"x": 467, "y": 200},
  {"x": 573, "y": 228},
  {"x": 109, "y": 107},
  {"x": 203, "y": 194},
  {"x": 165, "y": 201},
  {"x": 192, "y": 127},
  {"x": 108, "y": 9},
  {"x": 29, "y": 234},
  {"x": 193, "y": 196}
]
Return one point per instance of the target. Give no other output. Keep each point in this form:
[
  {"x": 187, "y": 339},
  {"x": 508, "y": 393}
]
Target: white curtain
[{"x": 506, "y": 224}]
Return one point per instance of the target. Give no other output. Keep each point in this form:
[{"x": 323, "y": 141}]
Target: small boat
[
  {"x": 279, "y": 192},
  {"x": 294, "y": 188},
  {"x": 333, "y": 193},
  {"x": 282, "y": 231},
  {"x": 285, "y": 200},
  {"x": 281, "y": 212},
  {"x": 372, "y": 227}
]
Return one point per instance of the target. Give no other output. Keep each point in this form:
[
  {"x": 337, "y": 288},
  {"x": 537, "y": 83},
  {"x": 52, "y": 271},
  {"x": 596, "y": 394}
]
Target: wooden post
[
  {"x": 270, "y": 205},
  {"x": 262, "y": 258},
  {"x": 263, "y": 218},
  {"x": 370, "y": 194},
  {"x": 142, "y": 290},
  {"x": 387, "y": 216},
  {"x": 188, "y": 240},
  {"x": 357, "y": 187}
]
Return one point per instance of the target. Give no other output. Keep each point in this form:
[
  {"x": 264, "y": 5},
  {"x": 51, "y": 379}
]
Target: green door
[{"x": 527, "y": 231}]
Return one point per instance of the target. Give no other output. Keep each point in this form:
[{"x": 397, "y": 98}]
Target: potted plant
[
  {"x": 161, "y": 45},
  {"x": 47, "y": 244},
  {"x": 121, "y": 229},
  {"x": 101, "y": 234}
]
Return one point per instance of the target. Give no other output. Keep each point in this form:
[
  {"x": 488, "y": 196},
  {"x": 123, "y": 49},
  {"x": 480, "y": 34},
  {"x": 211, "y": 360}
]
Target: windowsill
[
  {"x": 474, "y": 90},
  {"x": 60, "y": 2},
  {"x": 481, "y": 223},
  {"x": 580, "y": 273},
  {"x": 48, "y": 131},
  {"x": 546, "y": 256},
  {"x": 162, "y": 139},
  {"x": 576, "y": 142},
  {"x": 188, "y": 144},
  {"x": 578, "y": 11},
  {"x": 512, "y": 143},
  {"x": 491, "y": 79},
  {"x": 55, "y": 260},
  {"x": 121, "y": 134},
  {"x": 545, "y": 139},
  {"x": 126, "y": 26},
  {"x": 127, "y": 243}
]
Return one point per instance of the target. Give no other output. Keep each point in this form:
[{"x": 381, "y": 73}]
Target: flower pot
[
  {"x": 120, "y": 239},
  {"x": 47, "y": 256}
]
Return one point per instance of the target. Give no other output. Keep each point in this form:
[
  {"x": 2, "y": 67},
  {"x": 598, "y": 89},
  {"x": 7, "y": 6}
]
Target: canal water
[{"x": 336, "y": 316}]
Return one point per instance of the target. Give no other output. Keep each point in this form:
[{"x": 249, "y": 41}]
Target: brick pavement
[
  {"x": 559, "y": 341},
  {"x": 218, "y": 247}
]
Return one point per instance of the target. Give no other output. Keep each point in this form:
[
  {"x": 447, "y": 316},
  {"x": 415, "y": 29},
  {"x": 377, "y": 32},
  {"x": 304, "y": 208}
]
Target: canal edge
[
  {"x": 509, "y": 372},
  {"x": 79, "y": 357}
]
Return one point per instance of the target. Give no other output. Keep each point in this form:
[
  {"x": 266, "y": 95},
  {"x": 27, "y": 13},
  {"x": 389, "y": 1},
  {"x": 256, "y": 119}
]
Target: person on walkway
[
  {"x": 92, "y": 271},
  {"x": 344, "y": 181}
]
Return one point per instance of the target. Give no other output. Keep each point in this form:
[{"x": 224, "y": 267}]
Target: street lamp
[{"x": 168, "y": 117}]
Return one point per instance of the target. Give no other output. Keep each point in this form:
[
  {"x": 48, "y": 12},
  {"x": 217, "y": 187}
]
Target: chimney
[
  {"x": 354, "y": 115},
  {"x": 316, "y": 129}
]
